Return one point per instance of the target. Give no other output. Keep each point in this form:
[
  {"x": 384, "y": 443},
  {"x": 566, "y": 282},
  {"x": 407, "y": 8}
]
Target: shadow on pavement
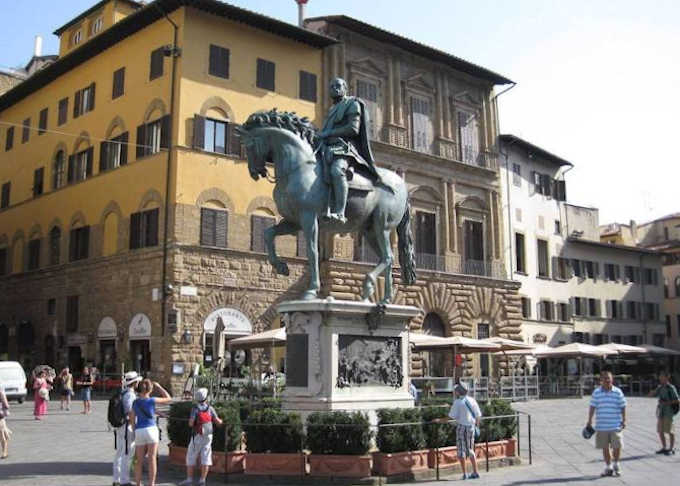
[
  {"x": 553, "y": 480},
  {"x": 31, "y": 469}
]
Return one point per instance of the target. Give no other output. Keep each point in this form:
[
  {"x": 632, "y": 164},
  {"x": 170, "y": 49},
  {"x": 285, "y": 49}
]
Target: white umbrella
[
  {"x": 659, "y": 350},
  {"x": 527, "y": 352},
  {"x": 427, "y": 342},
  {"x": 459, "y": 345},
  {"x": 509, "y": 344},
  {"x": 273, "y": 337},
  {"x": 623, "y": 348},
  {"x": 574, "y": 350}
]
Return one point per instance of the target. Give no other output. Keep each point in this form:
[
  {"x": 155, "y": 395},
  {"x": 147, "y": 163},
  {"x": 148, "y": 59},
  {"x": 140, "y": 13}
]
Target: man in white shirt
[
  {"x": 465, "y": 411},
  {"x": 125, "y": 441}
]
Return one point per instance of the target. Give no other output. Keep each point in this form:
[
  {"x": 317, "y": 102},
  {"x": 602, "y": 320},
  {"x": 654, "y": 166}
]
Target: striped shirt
[{"x": 608, "y": 408}]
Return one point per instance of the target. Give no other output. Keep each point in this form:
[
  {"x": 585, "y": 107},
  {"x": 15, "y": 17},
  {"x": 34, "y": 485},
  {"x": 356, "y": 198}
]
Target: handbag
[{"x": 477, "y": 431}]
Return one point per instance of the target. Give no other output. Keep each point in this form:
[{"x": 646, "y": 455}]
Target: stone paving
[{"x": 72, "y": 449}]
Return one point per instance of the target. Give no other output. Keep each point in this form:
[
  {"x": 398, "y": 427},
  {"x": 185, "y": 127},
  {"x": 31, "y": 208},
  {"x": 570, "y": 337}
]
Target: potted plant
[
  {"x": 179, "y": 432},
  {"x": 440, "y": 436},
  {"x": 401, "y": 446},
  {"x": 339, "y": 444},
  {"x": 499, "y": 432},
  {"x": 274, "y": 442}
]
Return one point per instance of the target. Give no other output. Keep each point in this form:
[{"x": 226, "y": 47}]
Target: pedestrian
[
  {"x": 609, "y": 407},
  {"x": 5, "y": 433},
  {"x": 143, "y": 420},
  {"x": 66, "y": 380},
  {"x": 41, "y": 394},
  {"x": 412, "y": 390},
  {"x": 467, "y": 414},
  {"x": 86, "y": 381},
  {"x": 125, "y": 440},
  {"x": 665, "y": 412},
  {"x": 201, "y": 422}
]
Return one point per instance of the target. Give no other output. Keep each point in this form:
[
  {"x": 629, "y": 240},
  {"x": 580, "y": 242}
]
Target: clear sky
[{"x": 598, "y": 81}]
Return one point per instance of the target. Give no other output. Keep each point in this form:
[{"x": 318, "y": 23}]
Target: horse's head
[{"x": 257, "y": 151}]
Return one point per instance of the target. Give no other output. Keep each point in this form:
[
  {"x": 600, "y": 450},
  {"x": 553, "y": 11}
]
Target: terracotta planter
[
  {"x": 447, "y": 457},
  {"x": 385, "y": 464},
  {"x": 275, "y": 464},
  {"x": 339, "y": 466},
  {"x": 497, "y": 449},
  {"x": 230, "y": 462},
  {"x": 177, "y": 455}
]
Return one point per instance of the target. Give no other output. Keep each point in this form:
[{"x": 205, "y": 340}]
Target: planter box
[
  {"x": 497, "y": 450},
  {"x": 447, "y": 457},
  {"x": 385, "y": 464},
  {"x": 230, "y": 462},
  {"x": 339, "y": 466},
  {"x": 293, "y": 464}
]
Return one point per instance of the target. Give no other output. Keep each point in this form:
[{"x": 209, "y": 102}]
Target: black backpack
[{"x": 117, "y": 416}]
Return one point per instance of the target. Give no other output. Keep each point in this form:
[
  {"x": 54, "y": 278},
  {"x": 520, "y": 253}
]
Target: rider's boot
[{"x": 340, "y": 189}]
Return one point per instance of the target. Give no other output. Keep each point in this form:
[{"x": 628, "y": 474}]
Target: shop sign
[
  {"x": 235, "y": 322},
  {"x": 140, "y": 327},
  {"x": 107, "y": 329}
]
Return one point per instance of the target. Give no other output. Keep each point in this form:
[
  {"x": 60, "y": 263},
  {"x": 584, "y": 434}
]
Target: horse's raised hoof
[
  {"x": 282, "y": 268},
  {"x": 309, "y": 295}
]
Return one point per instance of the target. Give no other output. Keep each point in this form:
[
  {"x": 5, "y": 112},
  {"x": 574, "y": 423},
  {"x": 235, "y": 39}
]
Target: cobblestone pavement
[{"x": 71, "y": 449}]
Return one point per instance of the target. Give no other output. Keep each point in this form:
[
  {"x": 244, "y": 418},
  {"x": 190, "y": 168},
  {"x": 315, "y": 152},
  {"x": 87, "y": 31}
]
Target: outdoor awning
[
  {"x": 623, "y": 348},
  {"x": 574, "y": 350},
  {"x": 422, "y": 341},
  {"x": 526, "y": 352},
  {"x": 659, "y": 350},
  {"x": 509, "y": 344},
  {"x": 460, "y": 344},
  {"x": 274, "y": 337}
]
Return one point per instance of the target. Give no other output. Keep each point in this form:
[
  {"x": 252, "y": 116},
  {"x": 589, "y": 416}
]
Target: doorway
[
  {"x": 140, "y": 355},
  {"x": 75, "y": 359},
  {"x": 107, "y": 355}
]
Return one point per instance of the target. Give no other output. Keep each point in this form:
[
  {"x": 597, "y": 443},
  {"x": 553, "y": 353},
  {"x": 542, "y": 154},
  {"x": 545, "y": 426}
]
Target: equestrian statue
[{"x": 327, "y": 182}]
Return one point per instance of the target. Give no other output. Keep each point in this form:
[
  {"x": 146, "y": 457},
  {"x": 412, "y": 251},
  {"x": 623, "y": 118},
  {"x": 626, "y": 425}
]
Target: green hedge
[
  {"x": 400, "y": 438},
  {"x": 270, "y": 430},
  {"x": 500, "y": 428},
  {"x": 338, "y": 433},
  {"x": 437, "y": 434},
  {"x": 179, "y": 431}
]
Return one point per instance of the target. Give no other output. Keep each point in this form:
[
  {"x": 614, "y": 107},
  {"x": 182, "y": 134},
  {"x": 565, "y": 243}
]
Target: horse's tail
[{"x": 407, "y": 257}]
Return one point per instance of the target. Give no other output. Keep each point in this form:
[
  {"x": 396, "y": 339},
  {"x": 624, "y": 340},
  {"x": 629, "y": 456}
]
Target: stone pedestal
[{"x": 346, "y": 355}]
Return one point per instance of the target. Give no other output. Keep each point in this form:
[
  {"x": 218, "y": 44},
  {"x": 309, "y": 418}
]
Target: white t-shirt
[{"x": 461, "y": 413}]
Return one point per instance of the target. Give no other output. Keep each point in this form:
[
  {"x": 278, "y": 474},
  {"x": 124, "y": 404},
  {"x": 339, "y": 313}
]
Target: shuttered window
[
  {"x": 80, "y": 165},
  {"x": 468, "y": 133},
  {"x": 118, "y": 83},
  {"x": 34, "y": 254},
  {"x": 38, "y": 178},
  {"x": 3, "y": 261},
  {"x": 156, "y": 64},
  {"x": 266, "y": 73},
  {"x": 307, "y": 86},
  {"x": 79, "y": 243},
  {"x": 113, "y": 153},
  {"x": 83, "y": 101},
  {"x": 519, "y": 253},
  {"x": 144, "y": 229},
  {"x": 259, "y": 224},
  {"x": 543, "y": 260},
  {"x": 214, "y": 227},
  {"x": 216, "y": 136},
  {"x": 422, "y": 128},
  {"x": 72, "y": 313},
  {"x": 62, "y": 114},
  {"x": 55, "y": 246},
  {"x": 218, "y": 64},
  {"x": 26, "y": 130},
  {"x": 42, "y": 121},
  {"x": 153, "y": 136},
  {"x": 526, "y": 307},
  {"x": 9, "y": 138},
  {"x": 4, "y": 199},
  {"x": 59, "y": 170}
]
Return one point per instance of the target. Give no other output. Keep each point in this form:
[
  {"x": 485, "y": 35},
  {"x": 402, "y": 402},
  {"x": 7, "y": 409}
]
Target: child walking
[{"x": 200, "y": 448}]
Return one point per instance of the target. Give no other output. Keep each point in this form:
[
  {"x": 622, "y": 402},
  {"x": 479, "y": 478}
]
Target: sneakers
[
  {"x": 669, "y": 452},
  {"x": 465, "y": 476},
  {"x": 608, "y": 471},
  {"x": 661, "y": 451},
  {"x": 187, "y": 482},
  {"x": 474, "y": 475},
  {"x": 200, "y": 483},
  {"x": 616, "y": 469}
]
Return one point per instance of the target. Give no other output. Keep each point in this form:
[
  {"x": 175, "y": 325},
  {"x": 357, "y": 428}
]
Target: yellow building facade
[{"x": 133, "y": 121}]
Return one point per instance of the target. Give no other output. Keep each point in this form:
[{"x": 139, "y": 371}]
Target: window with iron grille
[
  {"x": 72, "y": 313},
  {"x": 307, "y": 86},
  {"x": 79, "y": 243},
  {"x": 483, "y": 331},
  {"x": 144, "y": 229},
  {"x": 34, "y": 254},
  {"x": 156, "y": 64},
  {"x": 266, "y": 74},
  {"x": 214, "y": 227},
  {"x": 218, "y": 62}
]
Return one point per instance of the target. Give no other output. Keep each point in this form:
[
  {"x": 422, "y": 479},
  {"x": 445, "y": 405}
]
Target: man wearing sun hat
[
  {"x": 201, "y": 420},
  {"x": 125, "y": 441}
]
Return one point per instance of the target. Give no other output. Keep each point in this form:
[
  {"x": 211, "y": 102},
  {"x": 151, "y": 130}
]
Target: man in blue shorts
[{"x": 609, "y": 407}]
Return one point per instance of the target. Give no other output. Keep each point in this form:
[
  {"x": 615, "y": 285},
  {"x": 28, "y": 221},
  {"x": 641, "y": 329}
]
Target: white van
[{"x": 13, "y": 380}]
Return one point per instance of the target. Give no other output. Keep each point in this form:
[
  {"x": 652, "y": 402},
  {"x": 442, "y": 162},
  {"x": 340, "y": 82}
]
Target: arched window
[
  {"x": 55, "y": 245},
  {"x": 59, "y": 170},
  {"x": 434, "y": 360}
]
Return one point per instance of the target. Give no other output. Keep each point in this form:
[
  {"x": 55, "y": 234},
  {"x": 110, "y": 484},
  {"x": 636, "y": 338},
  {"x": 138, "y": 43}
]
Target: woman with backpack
[{"x": 143, "y": 420}]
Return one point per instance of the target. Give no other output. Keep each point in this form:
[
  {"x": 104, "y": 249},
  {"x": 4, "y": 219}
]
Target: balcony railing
[
  {"x": 431, "y": 262},
  {"x": 456, "y": 264}
]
